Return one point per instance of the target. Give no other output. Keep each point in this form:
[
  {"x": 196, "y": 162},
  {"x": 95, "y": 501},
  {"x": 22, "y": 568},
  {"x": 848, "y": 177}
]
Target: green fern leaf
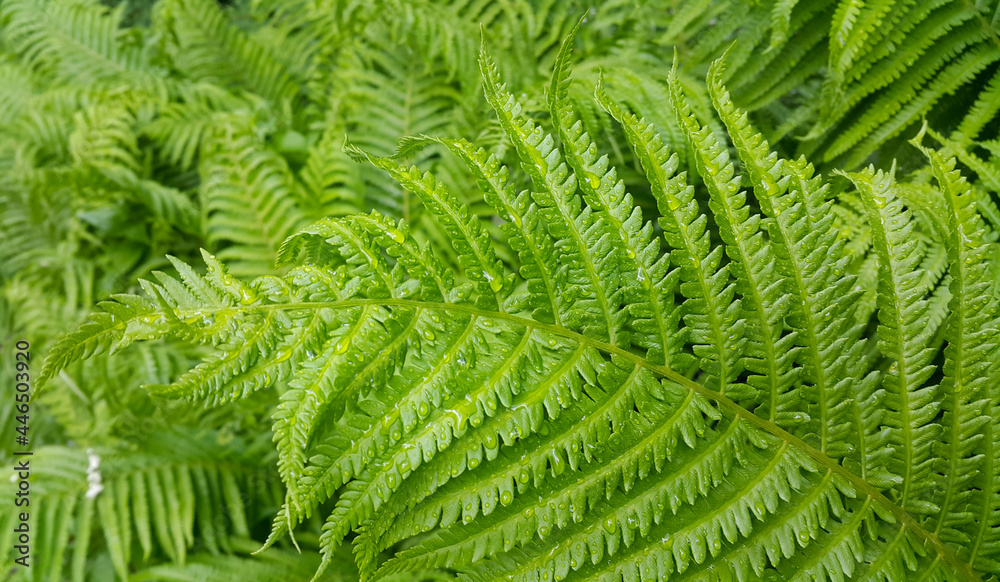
[{"x": 525, "y": 426}]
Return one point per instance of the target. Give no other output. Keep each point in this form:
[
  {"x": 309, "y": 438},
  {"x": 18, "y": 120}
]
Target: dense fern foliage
[{"x": 658, "y": 290}]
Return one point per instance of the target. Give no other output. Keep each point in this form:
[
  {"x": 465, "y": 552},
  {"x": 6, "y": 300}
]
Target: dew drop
[
  {"x": 395, "y": 234},
  {"x": 496, "y": 283},
  {"x": 610, "y": 524}
]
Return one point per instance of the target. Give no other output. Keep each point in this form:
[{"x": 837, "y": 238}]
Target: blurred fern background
[{"x": 130, "y": 131}]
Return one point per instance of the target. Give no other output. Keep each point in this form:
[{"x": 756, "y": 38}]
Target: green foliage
[
  {"x": 577, "y": 313},
  {"x": 721, "y": 410},
  {"x": 177, "y": 484}
]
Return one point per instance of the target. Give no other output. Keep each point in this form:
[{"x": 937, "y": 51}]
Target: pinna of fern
[{"x": 617, "y": 409}]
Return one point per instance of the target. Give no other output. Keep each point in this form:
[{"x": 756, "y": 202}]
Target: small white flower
[
  {"x": 93, "y": 474},
  {"x": 93, "y": 461}
]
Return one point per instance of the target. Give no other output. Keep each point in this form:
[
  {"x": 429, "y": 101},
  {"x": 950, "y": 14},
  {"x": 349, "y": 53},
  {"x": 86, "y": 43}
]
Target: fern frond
[
  {"x": 182, "y": 129},
  {"x": 904, "y": 337},
  {"x": 983, "y": 111},
  {"x": 764, "y": 436},
  {"x": 988, "y": 173},
  {"x": 970, "y": 370},
  {"x": 707, "y": 310},
  {"x": 930, "y": 50},
  {"x": 800, "y": 224},
  {"x": 387, "y": 98},
  {"x": 332, "y": 181},
  {"x": 475, "y": 251},
  {"x": 524, "y": 228},
  {"x": 770, "y": 354},
  {"x": 80, "y": 42},
  {"x": 596, "y": 282},
  {"x": 249, "y": 199},
  {"x": 210, "y": 48},
  {"x": 654, "y": 316}
]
